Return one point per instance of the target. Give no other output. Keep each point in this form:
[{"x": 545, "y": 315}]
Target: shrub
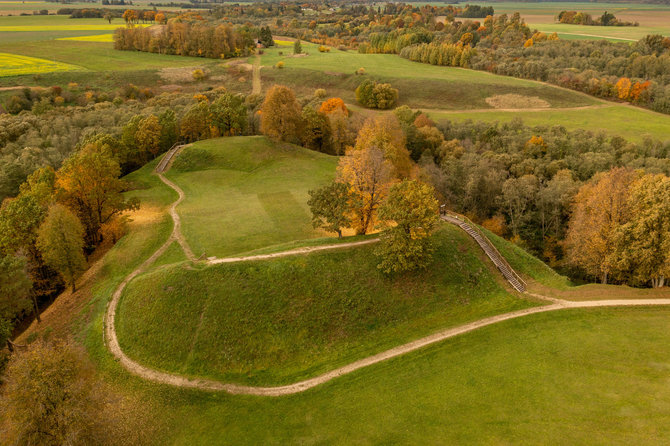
[
  {"x": 279, "y": 64},
  {"x": 375, "y": 95},
  {"x": 324, "y": 49},
  {"x": 360, "y": 71},
  {"x": 198, "y": 75},
  {"x": 320, "y": 93}
]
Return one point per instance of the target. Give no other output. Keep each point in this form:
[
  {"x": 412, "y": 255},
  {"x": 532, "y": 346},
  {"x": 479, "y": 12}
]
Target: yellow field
[
  {"x": 283, "y": 42},
  {"x": 94, "y": 38},
  {"x": 15, "y": 65}
]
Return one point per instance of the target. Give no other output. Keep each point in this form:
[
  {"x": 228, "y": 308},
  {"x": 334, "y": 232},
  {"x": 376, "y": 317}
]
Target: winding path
[{"x": 173, "y": 379}]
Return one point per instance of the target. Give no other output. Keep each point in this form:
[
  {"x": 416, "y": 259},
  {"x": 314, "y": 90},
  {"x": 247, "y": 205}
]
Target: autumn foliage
[{"x": 333, "y": 104}]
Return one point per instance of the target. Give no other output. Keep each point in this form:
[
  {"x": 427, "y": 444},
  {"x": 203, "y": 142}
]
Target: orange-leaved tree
[{"x": 332, "y": 104}]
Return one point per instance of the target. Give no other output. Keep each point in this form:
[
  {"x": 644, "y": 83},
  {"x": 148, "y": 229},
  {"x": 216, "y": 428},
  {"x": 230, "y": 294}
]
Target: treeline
[
  {"x": 476, "y": 11},
  {"x": 186, "y": 39},
  {"x": 445, "y": 54},
  {"x": 519, "y": 181},
  {"x": 582, "y": 18},
  {"x": 639, "y": 73}
]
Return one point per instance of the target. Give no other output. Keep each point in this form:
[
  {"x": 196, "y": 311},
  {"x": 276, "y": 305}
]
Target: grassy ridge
[
  {"x": 281, "y": 320},
  {"x": 252, "y": 195},
  {"x": 420, "y": 85}
]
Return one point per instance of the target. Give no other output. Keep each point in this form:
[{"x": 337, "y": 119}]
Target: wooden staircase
[
  {"x": 162, "y": 165},
  {"x": 498, "y": 260}
]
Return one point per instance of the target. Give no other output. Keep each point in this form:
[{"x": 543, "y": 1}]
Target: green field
[
  {"x": 94, "y": 38},
  {"x": 629, "y": 122},
  {"x": 252, "y": 195},
  {"x": 420, "y": 85},
  {"x": 15, "y": 65}
]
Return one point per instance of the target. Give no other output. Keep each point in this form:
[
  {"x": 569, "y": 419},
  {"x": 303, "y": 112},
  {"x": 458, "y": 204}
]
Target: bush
[
  {"x": 360, "y": 71},
  {"x": 375, "y": 95},
  {"x": 198, "y": 75},
  {"x": 324, "y": 49},
  {"x": 320, "y": 93},
  {"x": 279, "y": 64}
]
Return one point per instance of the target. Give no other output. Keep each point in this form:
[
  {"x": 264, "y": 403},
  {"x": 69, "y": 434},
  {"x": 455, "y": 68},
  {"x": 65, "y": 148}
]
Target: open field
[
  {"x": 280, "y": 320},
  {"x": 630, "y": 122},
  {"x": 97, "y": 57},
  {"x": 15, "y": 65},
  {"x": 420, "y": 85},
  {"x": 253, "y": 186}
]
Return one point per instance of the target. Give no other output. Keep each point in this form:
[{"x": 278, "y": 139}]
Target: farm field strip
[
  {"x": 104, "y": 38},
  {"x": 32, "y": 28},
  {"x": 14, "y": 65}
]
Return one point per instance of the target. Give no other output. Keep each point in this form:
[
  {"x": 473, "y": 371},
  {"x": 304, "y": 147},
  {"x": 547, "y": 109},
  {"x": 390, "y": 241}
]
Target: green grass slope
[
  {"x": 281, "y": 320},
  {"x": 584, "y": 377},
  {"x": 420, "y": 85},
  {"x": 250, "y": 194}
]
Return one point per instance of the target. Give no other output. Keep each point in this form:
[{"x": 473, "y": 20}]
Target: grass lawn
[
  {"x": 280, "y": 320},
  {"x": 420, "y": 85},
  {"x": 629, "y": 122},
  {"x": 252, "y": 195}
]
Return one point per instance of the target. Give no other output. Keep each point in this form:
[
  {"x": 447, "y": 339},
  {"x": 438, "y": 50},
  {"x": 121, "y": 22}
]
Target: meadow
[
  {"x": 420, "y": 85},
  {"x": 617, "y": 119},
  {"x": 251, "y": 195}
]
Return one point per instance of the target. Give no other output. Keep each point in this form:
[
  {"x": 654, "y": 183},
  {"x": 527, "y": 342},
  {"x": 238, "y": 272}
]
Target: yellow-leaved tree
[
  {"x": 385, "y": 133},
  {"x": 600, "y": 208},
  {"x": 369, "y": 177},
  {"x": 643, "y": 243}
]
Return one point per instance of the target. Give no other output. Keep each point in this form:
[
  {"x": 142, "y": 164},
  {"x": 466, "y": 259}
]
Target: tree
[
  {"x": 375, "y": 95},
  {"x": 169, "y": 129},
  {"x": 51, "y": 397},
  {"x": 600, "y": 207},
  {"x": 281, "y": 114},
  {"x": 148, "y": 136},
  {"x": 297, "y": 47},
  {"x": 329, "y": 206},
  {"x": 333, "y": 104},
  {"x": 412, "y": 212},
  {"x": 20, "y": 219},
  {"x": 368, "y": 176},
  {"x": 266, "y": 37},
  {"x": 518, "y": 195},
  {"x": 195, "y": 123},
  {"x": 643, "y": 243},
  {"x": 15, "y": 287},
  {"x": 89, "y": 184},
  {"x": 315, "y": 130},
  {"x": 384, "y": 132},
  {"x": 60, "y": 239},
  {"x": 160, "y": 18},
  {"x": 340, "y": 133},
  {"x": 229, "y": 114}
]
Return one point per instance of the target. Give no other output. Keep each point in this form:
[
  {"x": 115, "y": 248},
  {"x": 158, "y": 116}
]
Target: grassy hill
[
  {"x": 246, "y": 193},
  {"x": 603, "y": 372},
  {"x": 280, "y": 320}
]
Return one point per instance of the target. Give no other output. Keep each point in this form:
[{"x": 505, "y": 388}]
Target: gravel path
[{"x": 211, "y": 385}]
